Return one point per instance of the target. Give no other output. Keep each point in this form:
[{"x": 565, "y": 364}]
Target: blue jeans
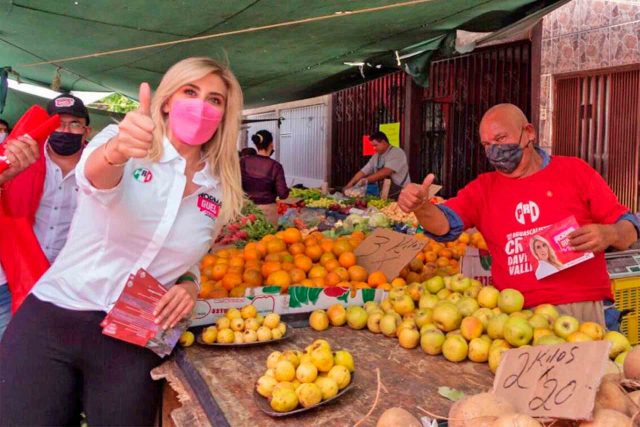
[{"x": 5, "y": 308}]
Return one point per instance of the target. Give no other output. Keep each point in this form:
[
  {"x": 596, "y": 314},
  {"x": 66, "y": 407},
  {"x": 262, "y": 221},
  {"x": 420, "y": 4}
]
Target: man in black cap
[{"x": 58, "y": 192}]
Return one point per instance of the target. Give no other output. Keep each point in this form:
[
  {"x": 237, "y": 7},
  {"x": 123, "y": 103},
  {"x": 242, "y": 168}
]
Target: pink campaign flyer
[{"x": 551, "y": 250}]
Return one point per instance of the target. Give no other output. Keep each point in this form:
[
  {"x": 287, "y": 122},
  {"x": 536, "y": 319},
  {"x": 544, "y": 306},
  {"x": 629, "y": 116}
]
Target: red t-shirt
[{"x": 507, "y": 211}]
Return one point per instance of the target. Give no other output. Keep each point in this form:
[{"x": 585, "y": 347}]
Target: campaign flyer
[
  {"x": 131, "y": 319},
  {"x": 551, "y": 250}
]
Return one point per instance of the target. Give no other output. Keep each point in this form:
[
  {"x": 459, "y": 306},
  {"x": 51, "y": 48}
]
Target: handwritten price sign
[
  {"x": 388, "y": 251},
  {"x": 553, "y": 380}
]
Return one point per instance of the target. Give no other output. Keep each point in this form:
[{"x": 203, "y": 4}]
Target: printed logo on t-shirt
[
  {"x": 209, "y": 205},
  {"x": 527, "y": 209},
  {"x": 143, "y": 175}
]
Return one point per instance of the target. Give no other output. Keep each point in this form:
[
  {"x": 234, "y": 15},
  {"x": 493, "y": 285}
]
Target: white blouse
[{"x": 141, "y": 223}]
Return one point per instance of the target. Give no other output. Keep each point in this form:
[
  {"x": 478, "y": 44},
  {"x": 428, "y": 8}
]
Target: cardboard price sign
[
  {"x": 387, "y": 251},
  {"x": 554, "y": 381}
]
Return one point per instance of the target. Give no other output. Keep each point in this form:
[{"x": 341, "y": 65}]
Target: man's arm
[
  {"x": 415, "y": 198},
  {"x": 357, "y": 177},
  {"x": 598, "y": 237}
]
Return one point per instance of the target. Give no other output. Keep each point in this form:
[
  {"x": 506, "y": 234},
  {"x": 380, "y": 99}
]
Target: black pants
[{"x": 55, "y": 363}]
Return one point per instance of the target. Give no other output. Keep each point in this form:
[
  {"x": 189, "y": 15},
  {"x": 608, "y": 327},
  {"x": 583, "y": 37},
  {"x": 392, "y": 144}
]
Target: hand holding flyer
[
  {"x": 131, "y": 319},
  {"x": 552, "y": 250}
]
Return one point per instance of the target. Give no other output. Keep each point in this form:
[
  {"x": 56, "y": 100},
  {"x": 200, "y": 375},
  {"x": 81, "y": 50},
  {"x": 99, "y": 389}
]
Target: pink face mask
[{"x": 194, "y": 121}]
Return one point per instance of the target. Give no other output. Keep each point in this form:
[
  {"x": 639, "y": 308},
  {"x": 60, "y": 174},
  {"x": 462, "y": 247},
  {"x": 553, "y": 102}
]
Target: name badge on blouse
[{"x": 209, "y": 205}]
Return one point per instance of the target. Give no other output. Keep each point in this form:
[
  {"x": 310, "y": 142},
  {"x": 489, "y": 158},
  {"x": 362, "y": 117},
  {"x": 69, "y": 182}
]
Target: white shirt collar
[
  {"x": 202, "y": 177},
  {"x": 51, "y": 163}
]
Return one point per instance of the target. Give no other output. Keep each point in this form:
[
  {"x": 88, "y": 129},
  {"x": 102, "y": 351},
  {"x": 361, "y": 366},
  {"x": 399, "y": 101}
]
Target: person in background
[
  {"x": 529, "y": 191},
  {"x": 4, "y": 130},
  {"x": 59, "y": 190},
  {"x": 155, "y": 191},
  {"x": 263, "y": 178},
  {"x": 388, "y": 162},
  {"x": 248, "y": 152}
]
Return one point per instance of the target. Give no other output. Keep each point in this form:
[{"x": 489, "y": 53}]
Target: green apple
[
  {"x": 373, "y": 322},
  {"x": 565, "y": 326},
  {"x": 510, "y": 301},
  {"x": 539, "y": 333},
  {"x": 547, "y": 310},
  {"x": 455, "y": 348},
  {"x": 447, "y": 317},
  {"x": 550, "y": 340},
  {"x": 428, "y": 301},
  {"x": 485, "y": 315},
  {"x": 539, "y": 321},
  {"x": 495, "y": 328},
  {"x": 479, "y": 350},
  {"x": 454, "y": 297},
  {"x": 488, "y": 297},
  {"x": 459, "y": 283},
  {"x": 518, "y": 331},
  {"x": 593, "y": 329},
  {"x": 423, "y": 316},
  {"x": 467, "y": 306},
  {"x": 578, "y": 336},
  {"x": 431, "y": 341},
  {"x": 471, "y": 327},
  {"x": 619, "y": 343},
  {"x": 434, "y": 284},
  {"x": 388, "y": 325},
  {"x": 443, "y": 293}
]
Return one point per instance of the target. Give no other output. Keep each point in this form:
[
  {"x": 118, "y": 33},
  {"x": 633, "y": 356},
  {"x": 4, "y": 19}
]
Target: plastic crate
[{"x": 627, "y": 296}]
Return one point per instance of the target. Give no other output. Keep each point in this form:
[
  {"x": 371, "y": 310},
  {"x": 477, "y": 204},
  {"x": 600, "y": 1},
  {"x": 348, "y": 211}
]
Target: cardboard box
[
  {"x": 268, "y": 299},
  {"x": 477, "y": 265},
  {"x": 305, "y": 300}
]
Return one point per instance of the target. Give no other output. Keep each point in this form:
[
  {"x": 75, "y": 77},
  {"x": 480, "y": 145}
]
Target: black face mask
[{"x": 65, "y": 143}]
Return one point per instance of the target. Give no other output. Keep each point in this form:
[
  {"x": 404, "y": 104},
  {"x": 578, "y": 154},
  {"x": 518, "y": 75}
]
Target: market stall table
[{"x": 217, "y": 383}]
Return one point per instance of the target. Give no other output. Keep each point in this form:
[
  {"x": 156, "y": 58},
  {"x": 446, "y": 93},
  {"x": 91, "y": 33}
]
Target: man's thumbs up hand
[
  {"x": 135, "y": 133},
  {"x": 414, "y": 196}
]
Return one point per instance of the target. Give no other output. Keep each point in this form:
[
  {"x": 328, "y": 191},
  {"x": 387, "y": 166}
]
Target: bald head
[{"x": 505, "y": 113}]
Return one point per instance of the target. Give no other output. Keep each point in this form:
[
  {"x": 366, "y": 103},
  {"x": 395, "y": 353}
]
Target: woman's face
[
  {"x": 210, "y": 88},
  {"x": 541, "y": 249}
]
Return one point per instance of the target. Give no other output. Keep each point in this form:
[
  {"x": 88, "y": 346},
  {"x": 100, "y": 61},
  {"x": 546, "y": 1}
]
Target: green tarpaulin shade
[{"x": 290, "y": 61}]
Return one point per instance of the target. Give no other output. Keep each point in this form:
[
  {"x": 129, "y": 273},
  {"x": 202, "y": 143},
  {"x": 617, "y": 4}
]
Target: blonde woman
[
  {"x": 154, "y": 192},
  {"x": 547, "y": 260}
]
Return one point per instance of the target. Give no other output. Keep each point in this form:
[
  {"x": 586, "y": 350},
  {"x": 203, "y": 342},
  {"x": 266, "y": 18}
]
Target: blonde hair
[
  {"x": 220, "y": 151},
  {"x": 553, "y": 259}
]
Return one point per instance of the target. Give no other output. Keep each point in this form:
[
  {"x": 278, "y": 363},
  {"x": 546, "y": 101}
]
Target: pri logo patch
[
  {"x": 209, "y": 205},
  {"x": 529, "y": 209},
  {"x": 143, "y": 175},
  {"x": 64, "y": 102}
]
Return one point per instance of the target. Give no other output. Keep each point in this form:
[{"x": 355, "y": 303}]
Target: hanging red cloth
[{"x": 21, "y": 256}]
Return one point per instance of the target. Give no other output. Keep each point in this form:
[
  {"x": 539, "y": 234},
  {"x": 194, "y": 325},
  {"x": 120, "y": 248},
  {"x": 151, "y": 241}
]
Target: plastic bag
[{"x": 358, "y": 190}]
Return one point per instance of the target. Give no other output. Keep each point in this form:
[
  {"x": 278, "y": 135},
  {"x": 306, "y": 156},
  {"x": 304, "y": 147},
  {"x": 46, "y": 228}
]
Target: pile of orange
[
  {"x": 284, "y": 259},
  {"x": 438, "y": 259}
]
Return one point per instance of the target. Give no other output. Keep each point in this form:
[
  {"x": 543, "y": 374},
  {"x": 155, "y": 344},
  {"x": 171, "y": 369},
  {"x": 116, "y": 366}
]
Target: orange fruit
[
  {"x": 318, "y": 282},
  {"x": 309, "y": 241},
  {"x": 297, "y": 276},
  {"x": 224, "y": 261},
  {"x": 357, "y": 273},
  {"x": 344, "y": 284},
  {"x": 276, "y": 245},
  {"x": 377, "y": 278},
  {"x": 358, "y": 235},
  {"x": 317, "y": 271},
  {"x": 231, "y": 280},
  {"x": 288, "y": 266},
  {"x": 252, "y": 277},
  {"x": 296, "y": 249},
  {"x": 303, "y": 262},
  {"x": 327, "y": 256},
  {"x": 291, "y": 235},
  {"x": 314, "y": 252},
  {"x": 237, "y": 292},
  {"x": 205, "y": 289},
  {"x": 270, "y": 267},
  {"x": 331, "y": 265},
  {"x": 253, "y": 264},
  {"x": 446, "y": 253},
  {"x": 218, "y": 271},
  {"x": 251, "y": 254},
  {"x": 413, "y": 277},
  {"x": 398, "y": 282},
  {"x": 286, "y": 257},
  {"x": 430, "y": 256},
  {"x": 307, "y": 283},
  {"x": 317, "y": 235},
  {"x": 207, "y": 260},
  {"x": 354, "y": 242},
  {"x": 341, "y": 246},
  {"x": 464, "y": 237},
  {"x": 384, "y": 286},
  {"x": 268, "y": 238},
  {"x": 326, "y": 245},
  {"x": 347, "y": 259},
  {"x": 279, "y": 278},
  {"x": 280, "y": 235},
  {"x": 332, "y": 279},
  {"x": 362, "y": 285},
  {"x": 236, "y": 262},
  {"x": 272, "y": 257},
  {"x": 262, "y": 248},
  {"x": 343, "y": 273},
  {"x": 236, "y": 270},
  {"x": 218, "y": 292},
  {"x": 442, "y": 262}
]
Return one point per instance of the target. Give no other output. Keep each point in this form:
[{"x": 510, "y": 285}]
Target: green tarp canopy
[{"x": 291, "y": 61}]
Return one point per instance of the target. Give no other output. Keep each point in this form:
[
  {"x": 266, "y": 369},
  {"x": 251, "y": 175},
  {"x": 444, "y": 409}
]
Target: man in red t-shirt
[{"x": 530, "y": 191}]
